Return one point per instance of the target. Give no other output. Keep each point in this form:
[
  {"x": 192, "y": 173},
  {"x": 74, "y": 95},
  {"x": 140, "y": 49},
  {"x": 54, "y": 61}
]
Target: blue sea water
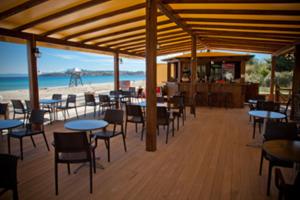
[{"x": 16, "y": 82}]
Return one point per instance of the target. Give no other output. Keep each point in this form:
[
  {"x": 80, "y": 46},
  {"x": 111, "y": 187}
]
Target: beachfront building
[{"x": 208, "y": 157}]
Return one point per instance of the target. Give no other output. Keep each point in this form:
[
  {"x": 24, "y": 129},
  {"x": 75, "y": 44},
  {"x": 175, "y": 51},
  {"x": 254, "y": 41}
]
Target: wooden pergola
[{"x": 149, "y": 28}]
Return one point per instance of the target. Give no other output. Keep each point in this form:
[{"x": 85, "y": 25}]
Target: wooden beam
[
  {"x": 33, "y": 74},
  {"x": 296, "y": 82},
  {"x": 237, "y": 12},
  {"x": 116, "y": 71},
  {"x": 259, "y": 28},
  {"x": 96, "y": 18},
  {"x": 273, "y": 47},
  {"x": 243, "y": 71},
  {"x": 244, "y": 41},
  {"x": 20, "y": 8},
  {"x": 230, "y": 1},
  {"x": 137, "y": 28},
  {"x": 244, "y": 50},
  {"x": 193, "y": 70},
  {"x": 272, "y": 80},
  {"x": 248, "y": 46},
  {"x": 108, "y": 26},
  {"x": 60, "y": 14},
  {"x": 151, "y": 39},
  {"x": 284, "y": 50},
  {"x": 242, "y": 21},
  {"x": 26, "y": 36}
]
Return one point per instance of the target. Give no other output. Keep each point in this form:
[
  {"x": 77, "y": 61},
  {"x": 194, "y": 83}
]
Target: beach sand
[{"x": 6, "y": 96}]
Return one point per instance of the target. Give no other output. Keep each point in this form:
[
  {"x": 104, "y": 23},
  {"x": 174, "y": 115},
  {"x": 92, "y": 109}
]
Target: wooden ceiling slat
[
  {"x": 95, "y": 18},
  {"x": 238, "y": 12},
  {"x": 252, "y": 45},
  {"x": 250, "y": 49},
  {"x": 199, "y": 26},
  {"x": 99, "y": 28},
  {"x": 244, "y": 41},
  {"x": 244, "y": 50},
  {"x": 127, "y": 31},
  {"x": 229, "y": 1},
  {"x": 242, "y": 21},
  {"x": 60, "y": 14},
  {"x": 271, "y": 48},
  {"x": 24, "y": 6}
]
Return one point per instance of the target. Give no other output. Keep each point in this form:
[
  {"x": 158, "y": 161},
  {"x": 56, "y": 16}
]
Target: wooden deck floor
[{"x": 207, "y": 159}]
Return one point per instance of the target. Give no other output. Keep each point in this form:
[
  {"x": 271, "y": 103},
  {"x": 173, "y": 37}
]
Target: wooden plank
[
  {"x": 96, "y": 18},
  {"x": 23, "y": 35},
  {"x": 60, "y": 14},
  {"x": 237, "y": 12},
  {"x": 229, "y": 1},
  {"x": 272, "y": 80},
  {"x": 242, "y": 21},
  {"x": 296, "y": 80},
  {"x": 20, "y": 8},
  {"x": 270, "y": 46},
  {"x": 137, "y": 28},
  {"x": 151, "y": 42},
  {"x": 284, "y": 50},
  {"x": 33, "y": 74},
  {"x": 245, "y": 41}
]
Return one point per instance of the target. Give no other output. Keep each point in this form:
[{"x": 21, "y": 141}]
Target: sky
[{"x": 13, "y": 60}]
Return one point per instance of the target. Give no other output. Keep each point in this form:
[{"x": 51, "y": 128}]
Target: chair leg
[
  {"x": 167, "y": 134},
  {"x": 173, "y": 128},
  {"x": 261, "y": 163},
  {"x": 84, "y": 110},
  {"x": 69, "y": 169},
  {"x": 124, "y": 142},
  {"x": 269, "y": 178},
  {"x": 21, "y": 148},
  {"x": 177, "y": 123},
  {"x": 46, "y": 141},
  {"x": 94, "y": 161},
  {"x": 91, "y": 177},
  {"x": 254, "y": 126},
  {"x": 8, "y": 143},
  {"x": 125, "y": 128},
  {"x": 136, "y": 128},
  {"x": 32, "y": 140},
  {"x": 108, "y": 150},
  {"x": 95, "y": 111},
  {"x": 56, "y": 178},
  {"x": 76, "y": 112},
  {"x": 142, "y": 131}
]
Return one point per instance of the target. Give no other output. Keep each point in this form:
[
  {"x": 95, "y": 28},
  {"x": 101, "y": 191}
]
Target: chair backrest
[
  {"x": 71, "y": 142},
  {"x": 8, "y": 172},
  {"x": 104, "y": 98},
  {"x": 57, "y": 96},
  {"x": 178, "y": 101},
  {"x": 162, "y": 115},
  {"x": 280, "y": 130},
  {"x": 71, "y": 99},
  {"x": 3, "y": 108},
  {"x": 134, "y": 110},
  {"x": 89, "y": 98},
  {"x": 267, "y": 105},
  {"x": 287, "y": 105},
  {"x": 140, "y": 92},
  {"x": 113, "y": 116},
  {"x": 28, "y": 105},
  {"x": 132, "y": 91},
  {"x": 160, "y": 99},
  {"x": 37, "y": 117},
  {"x": 17, "y": 104}
]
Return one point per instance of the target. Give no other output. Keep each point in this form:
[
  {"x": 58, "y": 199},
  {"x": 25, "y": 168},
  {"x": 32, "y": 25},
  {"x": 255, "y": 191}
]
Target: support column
[
  {"x": 168, "y": 71},
  {"x": 33, "y": 74},
  {"x": 243, "y": 71},
  {"x": 272, "y": 80},
  {"x": 193, "y": 69},
  {"x": 116, "y": 71},
  {"x": 151, "y": 41},
  {"x": 296, "y": 83}
]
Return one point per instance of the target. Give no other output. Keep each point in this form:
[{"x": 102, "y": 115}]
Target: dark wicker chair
[
  {"x": 106, "y": 102},
  {"x": 164, "y": 119},
  {"x": 73, "y": 147},
  {"x": 287, "y": 191},
  {"x": 275, "y": 131},
  {"x": 29, "y": 109},
  {"x": 178, "y": 108},
  {"x": 134, "y": 114},
  {"x": 8, "y": 175},
  {"x": 114, "y": 118},
  {"x": 90, "y": 101},
  {"x": 19, "y": 109},
  {"x": 70, "y": 104},
  {"x": 36, "y": 118}
]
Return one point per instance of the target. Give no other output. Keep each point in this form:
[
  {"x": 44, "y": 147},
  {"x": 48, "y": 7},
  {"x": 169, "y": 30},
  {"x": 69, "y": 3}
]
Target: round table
[
  {"x": 85, "y": 125},
  {"x": 286, "y": 150},
  {"x": 9, "y": 124}
]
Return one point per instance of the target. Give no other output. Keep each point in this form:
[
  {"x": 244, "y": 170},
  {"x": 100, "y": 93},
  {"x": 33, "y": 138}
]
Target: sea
[{"x": 18, "y": 82}]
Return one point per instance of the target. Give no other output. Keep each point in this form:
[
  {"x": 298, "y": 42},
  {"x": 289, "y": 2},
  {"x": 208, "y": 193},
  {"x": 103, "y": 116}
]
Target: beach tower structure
[{"x": 75, "y": 78}]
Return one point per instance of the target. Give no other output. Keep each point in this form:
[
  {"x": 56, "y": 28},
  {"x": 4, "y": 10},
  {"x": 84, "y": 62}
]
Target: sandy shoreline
[{"x": 6, "y": 96}]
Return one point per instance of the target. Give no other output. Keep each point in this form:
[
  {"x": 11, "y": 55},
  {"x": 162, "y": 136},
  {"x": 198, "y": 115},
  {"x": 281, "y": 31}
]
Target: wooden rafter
[
  {"x": 245, "y": 41},
  {"x": 95, "y": 18},
  {"x": 22, "y": 35},
  {"x": 242, "y": 21},
  {"x": 17, "y": 9},
  {"x": 284, "y": 50},
  {"x": 230, "y": 1},
  {"x": 60, "y": 14}
]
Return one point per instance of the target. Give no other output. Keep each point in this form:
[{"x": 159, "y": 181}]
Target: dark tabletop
[
  {"x": 85, "y": 125},
  {"x": 266, "y": 114},
  {"x": 50, "y": 101},
  {"x": 286, "y": 150},
  {"x": 10, "y": 123}
]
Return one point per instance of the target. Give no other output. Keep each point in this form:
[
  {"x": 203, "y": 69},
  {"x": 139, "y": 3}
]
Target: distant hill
[{"x": 93, "y": 73}]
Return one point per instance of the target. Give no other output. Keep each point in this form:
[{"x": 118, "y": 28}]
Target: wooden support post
[
  {"x": 168, "y": 71},
  {"x": 179, "y": 73},
  {"x": 296, "y": 83},
  {"x": 33, "y": 74},
  {"x": 272, "y": 80},
  {"x": 116, "y": 71},
  {"x": 151, "y": 41},
  {"x": 243, "y": 71},
  {"x": 193, "y": 69}
]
